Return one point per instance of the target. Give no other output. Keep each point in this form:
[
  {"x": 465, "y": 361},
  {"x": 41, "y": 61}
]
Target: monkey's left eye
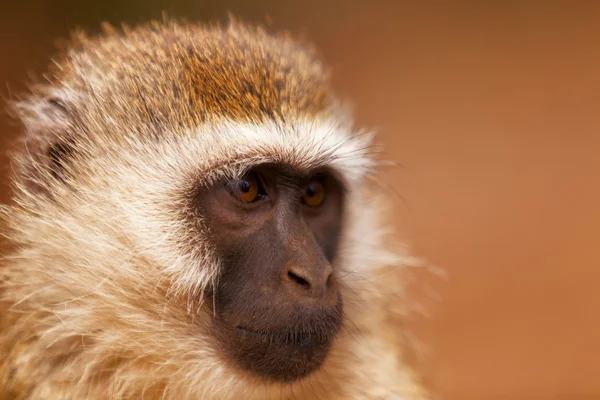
[
  {"x": 313, "y": 194},
  {"x": 247, "y": 189}
]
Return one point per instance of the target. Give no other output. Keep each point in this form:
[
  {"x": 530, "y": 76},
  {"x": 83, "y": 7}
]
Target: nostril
[
  {"x": 329, "y": 280},
  {"x": 298, "y": 279}
]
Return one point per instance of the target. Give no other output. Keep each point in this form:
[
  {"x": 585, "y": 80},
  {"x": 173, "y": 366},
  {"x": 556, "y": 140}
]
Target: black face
[{"x": 277, "y": 304}]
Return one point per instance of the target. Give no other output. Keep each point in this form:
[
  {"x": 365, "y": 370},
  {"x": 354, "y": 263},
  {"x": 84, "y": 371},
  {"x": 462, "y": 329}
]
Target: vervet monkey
[{"x": 194, "y": 217}]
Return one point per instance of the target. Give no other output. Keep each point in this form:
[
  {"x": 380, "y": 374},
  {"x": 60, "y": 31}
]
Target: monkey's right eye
[{"x": 247, "y": 189}]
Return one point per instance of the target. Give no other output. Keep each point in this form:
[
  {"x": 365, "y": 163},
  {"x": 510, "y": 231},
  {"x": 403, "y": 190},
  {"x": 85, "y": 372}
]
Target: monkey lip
[
  {"x": 281, "y": 346},
  {"x": 286, "y": 338},
  {"x": 283, "y": 355}
]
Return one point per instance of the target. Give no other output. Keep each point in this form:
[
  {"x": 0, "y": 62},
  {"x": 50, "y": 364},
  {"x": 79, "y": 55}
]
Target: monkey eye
[
  {"x": 313, "y": 193},
  {"x": 247, "y": 189}
]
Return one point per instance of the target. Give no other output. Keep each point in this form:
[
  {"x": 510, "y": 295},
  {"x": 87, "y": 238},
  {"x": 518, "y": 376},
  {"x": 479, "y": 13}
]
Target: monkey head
[{"x": 189, "y": 205}]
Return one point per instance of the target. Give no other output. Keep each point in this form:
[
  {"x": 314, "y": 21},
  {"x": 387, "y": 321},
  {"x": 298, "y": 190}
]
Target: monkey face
[{"x": 277, "y": 304}]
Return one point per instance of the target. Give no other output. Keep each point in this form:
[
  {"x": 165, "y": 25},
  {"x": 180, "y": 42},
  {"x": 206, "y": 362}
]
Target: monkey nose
[{"x": 314, "y": 282}]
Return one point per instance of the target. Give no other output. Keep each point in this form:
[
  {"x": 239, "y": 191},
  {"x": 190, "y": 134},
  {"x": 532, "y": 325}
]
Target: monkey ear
[{"x": 47, "y": 144}]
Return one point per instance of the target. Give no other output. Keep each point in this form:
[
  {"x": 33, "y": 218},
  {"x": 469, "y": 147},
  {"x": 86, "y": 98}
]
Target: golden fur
[{"x": 102, "y": 296}]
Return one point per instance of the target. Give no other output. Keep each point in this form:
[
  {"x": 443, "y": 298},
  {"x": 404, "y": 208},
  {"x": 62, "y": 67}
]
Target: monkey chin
[{"x": 285, "y": 353}]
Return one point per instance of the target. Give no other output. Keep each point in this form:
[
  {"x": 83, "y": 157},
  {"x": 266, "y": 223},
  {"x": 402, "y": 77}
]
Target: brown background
[{"x": 493, "y": 110}]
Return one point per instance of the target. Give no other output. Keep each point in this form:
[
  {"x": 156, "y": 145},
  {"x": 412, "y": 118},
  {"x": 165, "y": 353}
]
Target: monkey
[{"x": 194, "y": 216}]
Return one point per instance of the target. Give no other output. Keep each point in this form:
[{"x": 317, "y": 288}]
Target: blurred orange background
[{"x": 493, "y": 111}]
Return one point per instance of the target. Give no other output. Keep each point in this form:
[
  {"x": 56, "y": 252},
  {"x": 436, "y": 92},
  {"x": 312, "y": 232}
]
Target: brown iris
[
  {"x": 313, "y": 194},
  {"x": 247, "y": 189}
]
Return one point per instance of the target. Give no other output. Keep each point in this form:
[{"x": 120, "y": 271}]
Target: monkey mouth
[
  {"x": 279, "y": 352},
  {"x": 284, "y": 355},
  {"x": 285, "y": 338}
]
